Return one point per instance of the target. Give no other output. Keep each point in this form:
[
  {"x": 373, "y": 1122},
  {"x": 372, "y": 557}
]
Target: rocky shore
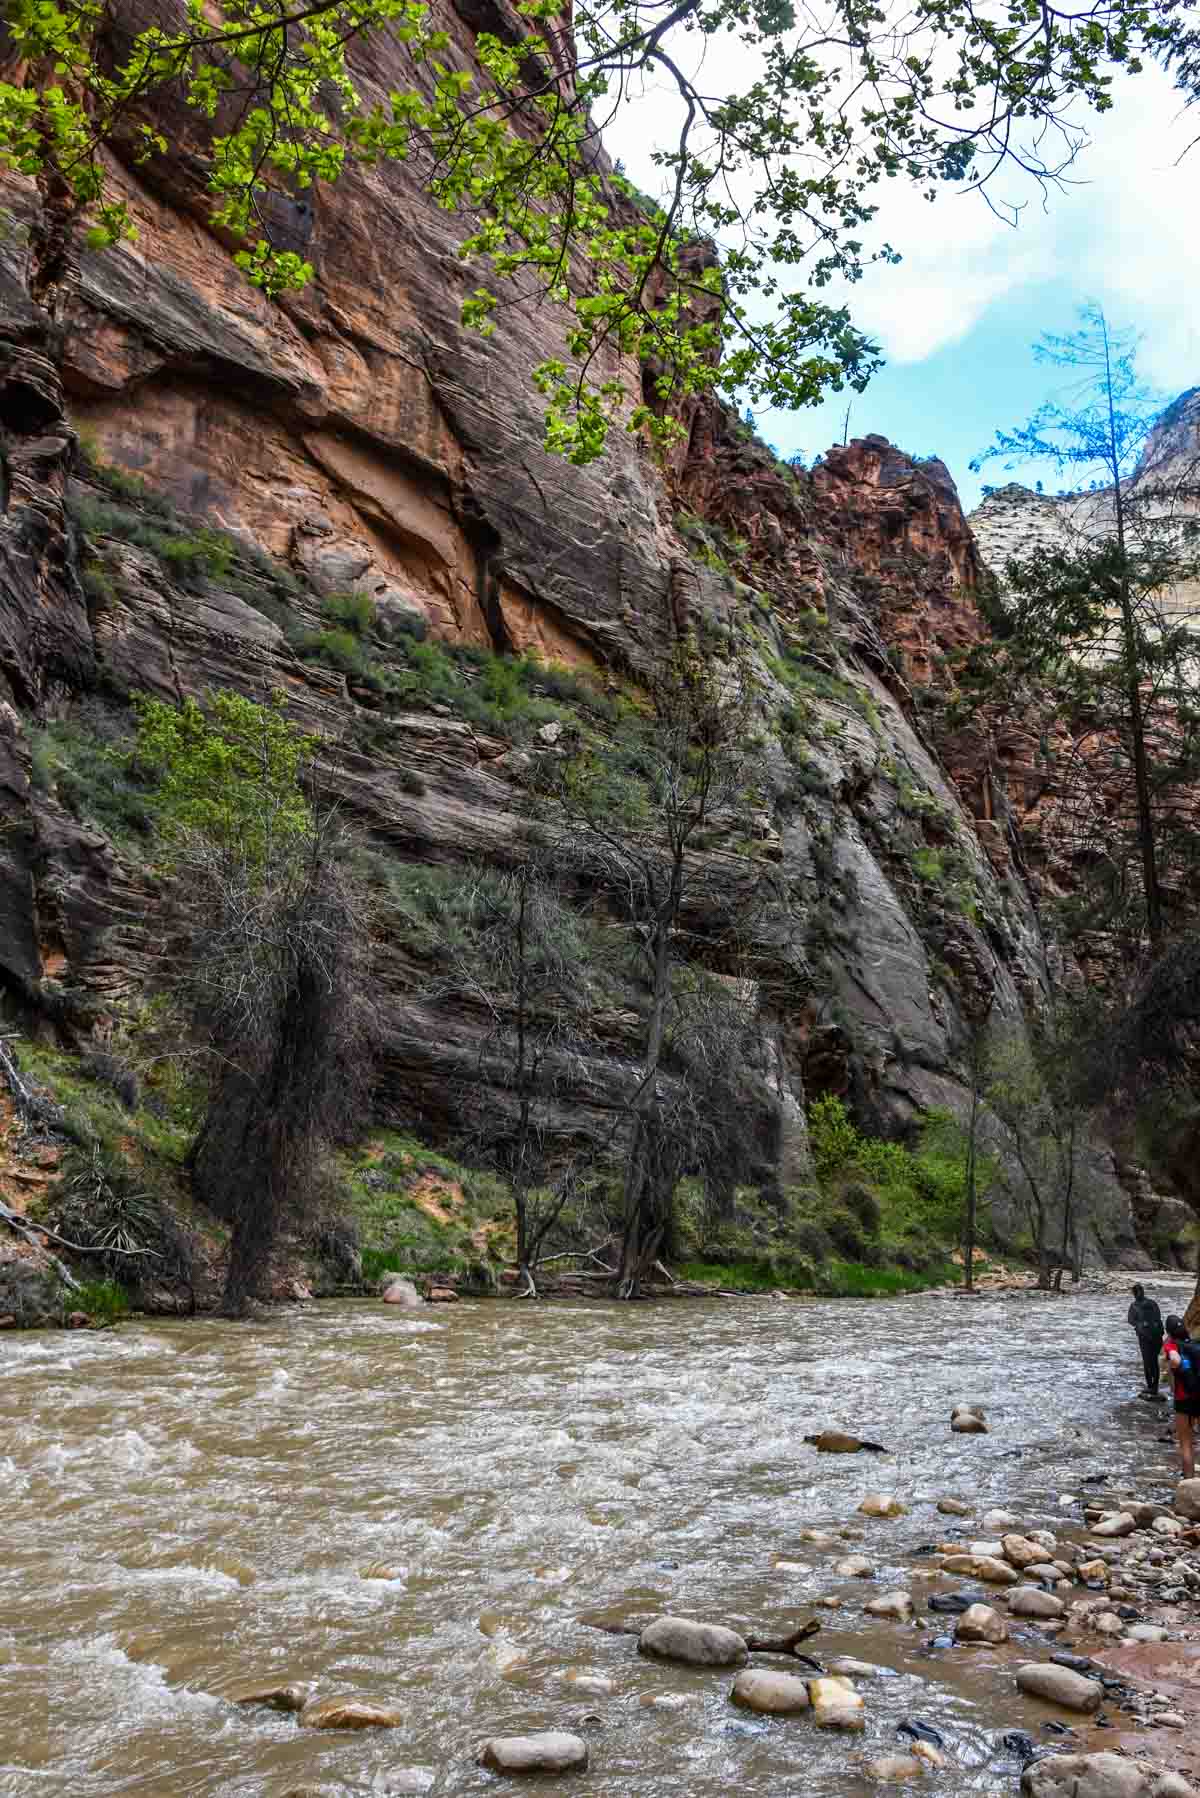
[{"x": 1095, "y": 1621}]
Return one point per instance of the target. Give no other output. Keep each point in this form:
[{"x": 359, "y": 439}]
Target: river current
[{"x": 189, "y": 1506}]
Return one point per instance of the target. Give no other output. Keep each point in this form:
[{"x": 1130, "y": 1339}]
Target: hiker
[
  {"x": 1183, "y": 1358},
  {"x": 1146, "y": 1319}
]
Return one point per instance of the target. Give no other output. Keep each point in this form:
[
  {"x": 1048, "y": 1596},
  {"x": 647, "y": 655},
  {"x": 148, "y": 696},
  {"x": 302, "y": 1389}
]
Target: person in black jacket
[{"x": 1146, "y": 1319}]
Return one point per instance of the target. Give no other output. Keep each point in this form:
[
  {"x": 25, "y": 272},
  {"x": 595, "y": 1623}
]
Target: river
[{"x": 189, "y": 1505}]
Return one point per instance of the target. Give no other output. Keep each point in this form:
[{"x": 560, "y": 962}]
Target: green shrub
[
  {"x": 354, "y": 612},
  {"x": 337, "y": 649},
  {"x": 85, "y": 762},
  {"x": 862, "y": 1204},
  {"x": 104, "y": 1301}
]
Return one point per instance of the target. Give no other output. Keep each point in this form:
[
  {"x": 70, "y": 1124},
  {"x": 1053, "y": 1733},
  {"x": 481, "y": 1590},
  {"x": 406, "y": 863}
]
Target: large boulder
[
  {"x": 980, "y": 1623},
  {"x": 696, "y": 1644},
  {"x": 1022, "y": 1551},
  {"x": 835, "y": 1703},
  {"x": 1187, "y": 1500},
  {"x": 403, "y": 1293},
  {"x": 1086, "y": 1776},
  {"x": 772, "y": 1694},
  {"x": 1114, "y": 1523},
  {"x": 551, "y": 1751},
  {"x": 1059, "y": 1685},
  {"x": 1031, "y": 1601}
]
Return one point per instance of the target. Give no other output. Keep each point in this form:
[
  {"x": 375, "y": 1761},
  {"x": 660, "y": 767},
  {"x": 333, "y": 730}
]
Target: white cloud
[{"x": 1124, "y": 232}]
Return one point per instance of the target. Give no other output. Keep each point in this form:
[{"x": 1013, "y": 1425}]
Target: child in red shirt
[{"x": 1187, "y": 1409}]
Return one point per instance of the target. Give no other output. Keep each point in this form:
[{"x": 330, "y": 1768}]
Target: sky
[{"x": 958, "y": 317}]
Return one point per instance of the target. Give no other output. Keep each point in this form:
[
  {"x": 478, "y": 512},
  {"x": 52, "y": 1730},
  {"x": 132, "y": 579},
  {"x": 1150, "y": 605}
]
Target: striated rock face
[{"x": 359, "y": 438}]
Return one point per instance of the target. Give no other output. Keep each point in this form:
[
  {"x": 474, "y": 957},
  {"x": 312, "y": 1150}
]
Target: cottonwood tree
[
  {"x": 266, "y": 960},
  {"x": 779, "y": 170},
  {"x": 1029, "y": 1085},
  {"x": 648, "y": 824},
  {"x": 1098, "y": 653}
]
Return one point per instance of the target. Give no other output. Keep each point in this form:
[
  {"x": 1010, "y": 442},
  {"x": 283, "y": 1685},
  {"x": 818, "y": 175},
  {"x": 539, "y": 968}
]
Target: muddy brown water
[{"x": 187, "y": 1506}]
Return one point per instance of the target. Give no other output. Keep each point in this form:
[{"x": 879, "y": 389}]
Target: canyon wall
[{"x": 354, "y": 438}]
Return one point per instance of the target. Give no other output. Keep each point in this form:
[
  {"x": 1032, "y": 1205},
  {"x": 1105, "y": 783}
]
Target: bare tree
[
  {"x": 637, "y": 836},
  {"x": 521, "y": 959}
]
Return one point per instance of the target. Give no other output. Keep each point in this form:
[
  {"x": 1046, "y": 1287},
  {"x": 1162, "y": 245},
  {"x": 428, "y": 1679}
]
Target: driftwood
[{"x": 784, "y": 1644}]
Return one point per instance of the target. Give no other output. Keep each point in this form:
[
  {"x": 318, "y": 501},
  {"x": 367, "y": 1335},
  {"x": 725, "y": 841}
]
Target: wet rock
[
  {"x": 894, "y": 1769},
  {"x": 980, "y": 1623},
  {"x": 953, "y": 1507},
  {"x": 1093, "y": 1571},
  {"x": 1146, "y": 1632},
  {"x": 771, "y": 1694},
  {"x": 1058, "y": 1685},
  {"x": 1167, "y": 1526},
  {"x": 968, "y": 1420},
  {"x": 925, "y": 1751},
  {"x": 551, "y": 1751},
  {"x": 1047, "y": 1570},
  {"x": 835, "y": 1703},
  {"x": 836, "y": 1442},
  {"x": 349, "y": 1713},
  {"x": 918, "y": 1731},
  {"x": 819, "y": 1538},
  {"x": 1000, "y": 1521},
  {"x": 882, "y": 1504},
  {"x": 442, "y": 1295},
  {"x": 275, "y": 1695},
  {"x": 994, "y": 1550},
  {"x": 662, "y": 1701},
  {"x": 855, "y": 1567},
  {"x": 981, "y": 1567},
  {"x": 952, "y": 1604},
  {"x": 589, "y": 1685},
  {"x": 896, "y": 1605},
  {"x": 402, "y": 1293},
  {"x": 1114, "y": 1523},
  {"x": 1187, "y": 1500},
  {"x": 381, "y": 1570},
  {"x": 696, "y": 1644},
  {"x": 1108, "y": 1623},
  {"x": 1172, "y": 1785},
  {"x": 1031, "y": 1601},
  {"x": 1021, "y": 1551},
  {"x": 1086, "y": 1776},
  {"x": 847, "y": 1668}
]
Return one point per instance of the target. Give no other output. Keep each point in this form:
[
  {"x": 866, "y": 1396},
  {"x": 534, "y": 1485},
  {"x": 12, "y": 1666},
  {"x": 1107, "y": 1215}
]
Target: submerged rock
[
  {"x": 855, "y": 1567},
  {"x": 836, "y": 1442},
  {"x": 882, "y": 1504},
  {"x": 696, "y": 1644},
  {"x": 274, "y": 1695},
  {"x": 894, "y": 1769},
  {"x": 349, "y": 1713},
  {"x": 968, "y": 1420},
  {"x": 552, "y": 1751},
  {"x": 772, "y": 1694},
  {"x": 1058, "y": 1685},
  {"x": 953, "y": 1507}
]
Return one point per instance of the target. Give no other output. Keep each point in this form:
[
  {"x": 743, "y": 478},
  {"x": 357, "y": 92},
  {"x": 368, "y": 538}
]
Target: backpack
[{"x": 1188, "y": 1370}]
